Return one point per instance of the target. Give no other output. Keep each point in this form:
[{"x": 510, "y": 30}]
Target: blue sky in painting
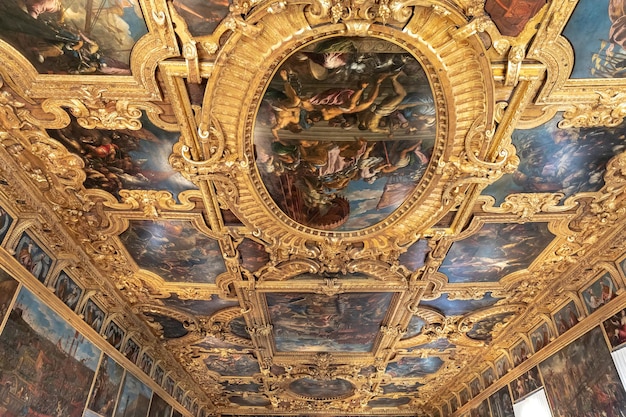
[
  {"x": 363, "y": 199},
  {"x": 50, "y": 325},
  {"x": 567, "y": 161},
  {"x": 494, "y": 251},
  {"x": 588, "y": 26},
  {"x": 459, "y": 307},
  {"x": 408, "y": 367}
]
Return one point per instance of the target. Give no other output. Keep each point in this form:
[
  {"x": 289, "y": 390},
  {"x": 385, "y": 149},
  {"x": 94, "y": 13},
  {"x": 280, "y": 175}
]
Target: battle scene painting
[
  {"x": 409, "y": 367},
  {"x": 233, "y": 364},
  {"x": 483, "y": 329},
  {"x": 106, "y": 387},
  {"x": 599, "y": 293},
  {"x": 32, "y": 257},
  {"x": 73, "y": 37},
  {"x": 316, "y": 323},
  {"x": 174, "y": 250},
  {"x": 582, "y": 376},
  {"x": 566, "y": 317},
  {"x": 344, "y": 132},
  {"x": 595, "y": 30},
  {"x": 555, "y": 160},
  {"x": 124, "y": 159},
  {"x": 615, "y": 327},
  {"x": 67, "y": 290},
  {"x": 8, "y": 286},
  {"x": 494, "y": 251},
  {"x": 449, "y": 307},
  {"x": 39, "y": 350},
  {"x": 134, "y": 398}
]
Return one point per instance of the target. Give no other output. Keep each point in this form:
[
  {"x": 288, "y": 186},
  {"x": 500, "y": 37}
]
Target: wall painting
[
  {"x": 114, "y": 335},
  {"x": 488, "y": 376},
  {"x": 174, "y": 250},
  {"x": 131, "y": 350},
  {"x": 500, "y": 403},
  {"x": 106, "y": 387},
  {"x": 134, "y": 398},
  {"x": 526, "y": 384},
  {"x": 511, "y": 16},
  {"x": 38, "y": 349},
  {"x": 503, "y": 365},
  {"x": 520, "y": 353},
  {"x": 582, "y": 376},
  {"x": 615, "y": 328},
  {"x": 317, "y": 323},
  {"x": 8, "y": 286},
  {"x": 159, "y": 407},
  {"x": 344, "y": 158}
]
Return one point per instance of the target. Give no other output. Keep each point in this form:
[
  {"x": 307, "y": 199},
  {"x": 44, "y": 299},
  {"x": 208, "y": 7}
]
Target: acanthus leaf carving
[{"x": 608, "y": 111}]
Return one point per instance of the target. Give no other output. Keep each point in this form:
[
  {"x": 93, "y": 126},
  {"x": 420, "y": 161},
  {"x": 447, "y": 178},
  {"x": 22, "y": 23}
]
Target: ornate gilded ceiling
[{"x": 318, "y": 207}]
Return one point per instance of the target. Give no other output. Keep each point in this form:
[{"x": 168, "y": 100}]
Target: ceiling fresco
[{"x": 311, "y": 208}]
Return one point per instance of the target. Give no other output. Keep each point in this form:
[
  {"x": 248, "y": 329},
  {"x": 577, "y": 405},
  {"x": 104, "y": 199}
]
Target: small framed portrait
[
  {"x": 67, "y": 290},
  {"x": 526, "y": 384},
  {"x": 475, "y": 387},
  {"x": 454, "y": 404},
  {"x": 32, "y": 257},
  {"x": 503, "y": 365},
  {"x": 540, "y": 337},
  {"x": 488, "y": 377},
  {"x": 114, "y": 335},
  {"x": 567, "y": 317},
  {"x": 169, "y": 385},
  {"x": 146, "y": 363},
  {"x": 599, "y": 293},
  {"x": 131, "y": 350},
  {"x": 464, "y": 396},
  {"x": 93, "y": 315},
  {"x": 615, "y": 328},
  {"x": 520, "y": 353},
  {"x": 5, "y": 223},
  {"x": 158, "y": 375}
]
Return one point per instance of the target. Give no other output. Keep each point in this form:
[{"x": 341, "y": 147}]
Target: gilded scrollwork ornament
[{"x": 608, "y": 111}]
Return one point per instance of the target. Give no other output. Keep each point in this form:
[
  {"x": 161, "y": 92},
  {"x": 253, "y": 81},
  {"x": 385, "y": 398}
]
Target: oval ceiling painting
[{"x": 344, "y": 132}]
